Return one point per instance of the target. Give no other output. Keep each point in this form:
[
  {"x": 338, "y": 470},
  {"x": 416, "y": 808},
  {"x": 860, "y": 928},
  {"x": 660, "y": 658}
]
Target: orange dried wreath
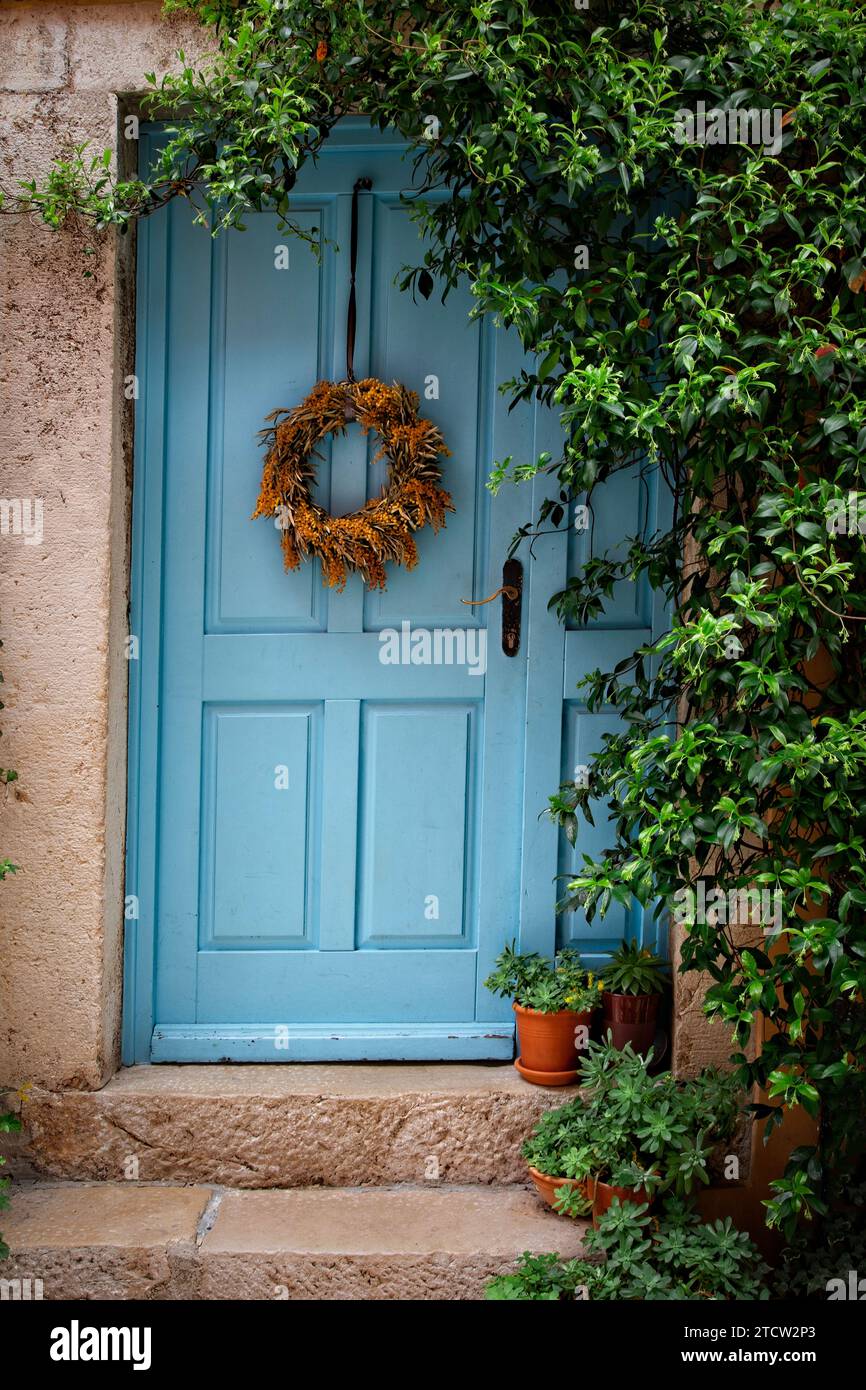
[{"x": 383, "y": 529}]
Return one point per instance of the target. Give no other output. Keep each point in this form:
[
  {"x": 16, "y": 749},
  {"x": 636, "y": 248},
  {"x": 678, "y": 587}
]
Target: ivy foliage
[{"x": 692, "y": 301}]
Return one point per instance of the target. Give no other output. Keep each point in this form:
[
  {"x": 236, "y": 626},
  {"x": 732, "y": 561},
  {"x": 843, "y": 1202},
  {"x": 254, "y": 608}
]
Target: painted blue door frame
[{"x": 326, "y": 850}]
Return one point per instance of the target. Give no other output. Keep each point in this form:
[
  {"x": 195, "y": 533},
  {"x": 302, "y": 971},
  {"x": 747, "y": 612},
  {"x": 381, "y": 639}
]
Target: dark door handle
[
  {"x": 512, "y": 593},
  {"x": 512, "y": 603}
]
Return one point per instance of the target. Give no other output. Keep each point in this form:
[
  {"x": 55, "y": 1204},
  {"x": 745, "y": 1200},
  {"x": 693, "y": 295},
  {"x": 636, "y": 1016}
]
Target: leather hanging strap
[{"x": 361, "y": 186}]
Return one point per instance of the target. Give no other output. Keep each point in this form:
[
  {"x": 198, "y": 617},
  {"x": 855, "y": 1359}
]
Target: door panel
[
  {"x": 561, "y": 734},
  {"x": 252, "y": 306},
  {"x": 417, "y": 853},
  {"x": 259, "y": 890},
  {"x": 407, "y": 339},
  {"x": 630, "y": 504}
]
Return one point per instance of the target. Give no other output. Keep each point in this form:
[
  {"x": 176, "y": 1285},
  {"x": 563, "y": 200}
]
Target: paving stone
[
  {"x": 101, "y": 1240},
  {"x": 376, "y": 1244}
]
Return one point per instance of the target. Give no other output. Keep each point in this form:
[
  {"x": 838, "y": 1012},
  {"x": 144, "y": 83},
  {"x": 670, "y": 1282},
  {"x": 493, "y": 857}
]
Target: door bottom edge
[{"x": 426, "y": 1042}]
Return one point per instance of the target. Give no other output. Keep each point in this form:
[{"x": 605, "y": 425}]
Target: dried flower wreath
[{"x": 383, "y": 528}]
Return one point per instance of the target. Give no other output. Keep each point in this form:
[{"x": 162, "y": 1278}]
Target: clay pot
[
  {"x": 546, "y": 1186},
  {"x": 548, "y": 1050},
  {"x": 631, "y": 1018},
  {"x": 601, "y": 1194}
]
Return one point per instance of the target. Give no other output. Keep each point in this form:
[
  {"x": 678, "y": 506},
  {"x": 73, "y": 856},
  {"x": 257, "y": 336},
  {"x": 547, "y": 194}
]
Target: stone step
[
  {"x": 135, "y": 1241},
  {"x": 289, "y": 1125}
]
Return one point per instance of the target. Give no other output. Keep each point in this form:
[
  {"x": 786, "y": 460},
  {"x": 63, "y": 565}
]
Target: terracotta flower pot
[
  {"x": 548, "y": 1047},
  {"x": 631, "y": 1018},
  {"x": 546, "y": 1186},
  {"x": 601, "y": 1194}
]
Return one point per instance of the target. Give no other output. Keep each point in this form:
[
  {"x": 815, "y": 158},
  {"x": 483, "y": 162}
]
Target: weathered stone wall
[
  {"x": 64, "y": 349},
  {"x": 697, "y": 1041}
]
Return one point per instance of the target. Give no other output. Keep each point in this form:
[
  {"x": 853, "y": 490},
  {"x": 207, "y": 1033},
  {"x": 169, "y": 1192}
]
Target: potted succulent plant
[
  {"x": 553, "y": 1002},
  {"x": 545, "y": 1152},
  {"x": 629, "y": 1134},
  {"x": 627, "y": 1181},
  {"x": 634, "y": 981},
  {"x": 602, "y": 1163}
]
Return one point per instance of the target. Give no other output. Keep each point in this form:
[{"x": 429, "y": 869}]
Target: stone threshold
[
  {"x": 139, "y": 1241},
  {"x": 292, "y": 1125}
]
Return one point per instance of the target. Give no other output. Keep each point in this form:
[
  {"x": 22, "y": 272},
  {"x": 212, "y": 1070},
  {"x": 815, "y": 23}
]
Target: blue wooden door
[{"x": 326, "y": 849}]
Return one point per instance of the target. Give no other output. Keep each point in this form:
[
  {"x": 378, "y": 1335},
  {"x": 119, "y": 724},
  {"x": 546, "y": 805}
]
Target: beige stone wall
[
  {"x": 697, "y": 1041},
  {"x": 64, "y": 345}
]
